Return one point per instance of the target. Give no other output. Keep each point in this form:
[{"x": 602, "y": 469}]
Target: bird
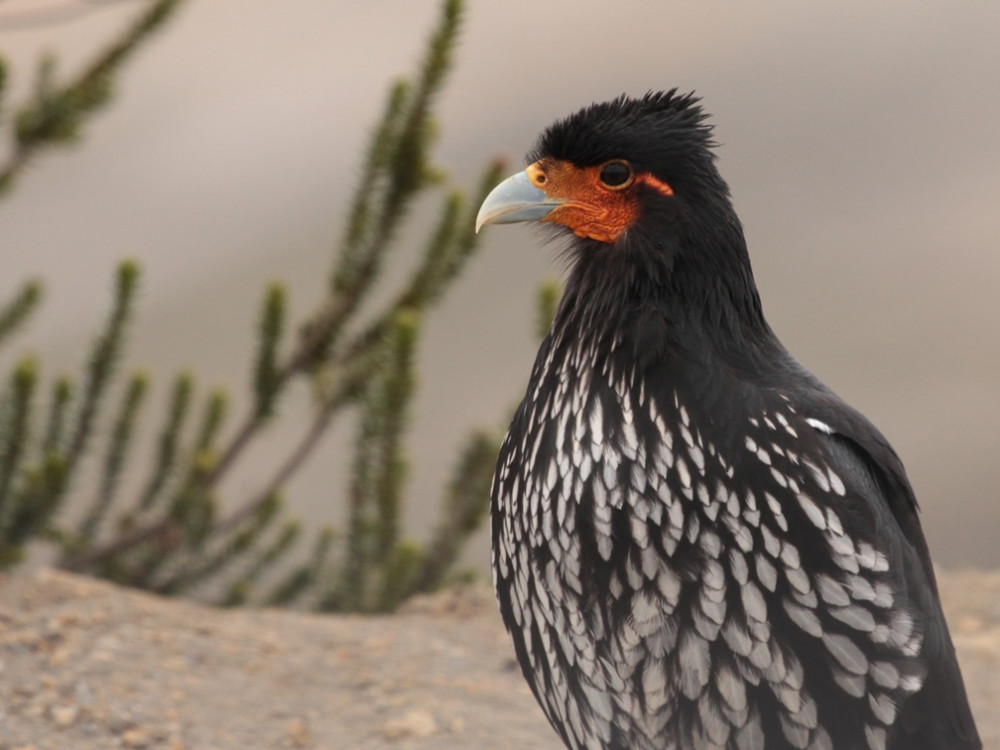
[{"x": 696, "y": 544}]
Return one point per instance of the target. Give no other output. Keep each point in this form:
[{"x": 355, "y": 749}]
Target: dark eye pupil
[{"x": 615, "y": 173}]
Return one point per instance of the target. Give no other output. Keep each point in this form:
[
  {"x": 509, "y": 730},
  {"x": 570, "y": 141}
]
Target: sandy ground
[{"x": 86, "y": 666}]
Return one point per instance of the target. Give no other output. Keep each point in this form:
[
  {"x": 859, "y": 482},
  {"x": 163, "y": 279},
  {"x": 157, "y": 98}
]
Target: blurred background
[{"x": 861, "y": 142}]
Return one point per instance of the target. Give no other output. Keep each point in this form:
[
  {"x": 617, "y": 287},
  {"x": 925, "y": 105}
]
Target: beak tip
[{"x": 514, "y": 200}]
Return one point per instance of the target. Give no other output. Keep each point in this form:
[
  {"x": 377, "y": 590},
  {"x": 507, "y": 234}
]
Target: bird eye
[{"x": 616, "y": 174}]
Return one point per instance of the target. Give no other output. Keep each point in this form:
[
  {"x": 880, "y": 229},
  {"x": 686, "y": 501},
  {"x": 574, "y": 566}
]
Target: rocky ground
[{"x": 88, "y": 666}]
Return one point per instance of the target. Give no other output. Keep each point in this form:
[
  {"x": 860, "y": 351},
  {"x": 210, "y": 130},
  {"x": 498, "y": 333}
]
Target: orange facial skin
[{"x": 592, "y": 208}]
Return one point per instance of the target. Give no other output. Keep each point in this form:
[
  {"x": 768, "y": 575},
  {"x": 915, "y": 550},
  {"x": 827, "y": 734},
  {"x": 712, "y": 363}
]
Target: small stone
[
  {"x": 969, "y": 624},
  {"x": 134, "y": 737},
  {"x": 298, "y": 733},
  {"x": 59, "y": 657},
  {"x": 65, "y": 716},
  {"x": 412, "y": 724}
]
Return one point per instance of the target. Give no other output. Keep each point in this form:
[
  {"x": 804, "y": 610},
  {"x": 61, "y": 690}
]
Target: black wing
[{"x": 938, "y": 715}]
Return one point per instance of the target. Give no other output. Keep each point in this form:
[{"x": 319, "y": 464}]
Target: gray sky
[{"x": 861, "y": 141}]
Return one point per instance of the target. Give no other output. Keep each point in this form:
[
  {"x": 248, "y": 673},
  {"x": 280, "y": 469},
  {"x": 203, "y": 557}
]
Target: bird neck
[{"x": 688, "y": 299}]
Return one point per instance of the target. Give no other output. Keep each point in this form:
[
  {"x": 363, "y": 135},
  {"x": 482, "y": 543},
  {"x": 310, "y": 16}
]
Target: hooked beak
[{"x": 516, "y": 199}]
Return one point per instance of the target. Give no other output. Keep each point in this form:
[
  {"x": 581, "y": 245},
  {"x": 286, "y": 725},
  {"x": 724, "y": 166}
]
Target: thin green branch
[
  {"x": 267, "y": 376},
  {"x": 466, "y": 503},
  {"x": 37, "y": 499},
  {"x": 212, "y": 420},
  {"x": 103, "y": 360},
  {"x": 15, "y": 420},
  {"x": 56, "y": 114},
  {"x": 118, "y": 446},
  {"x": 3, "y": 87},
  {"x": 59, "y": 409},
  {"x": 379, "y": 466},
  {"x": 350, "y": 263},
  {"x": 452, "y": 243},
  {"x": 393, "y": 413},
  {"x": 15, "y": 313},
  {"x": 546, "y": 302},
  {"x": 398, "y": 161},
  {"x": 167, "y": 444}
]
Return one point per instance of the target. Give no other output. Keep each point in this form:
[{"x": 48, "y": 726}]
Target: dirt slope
[{"x": 85, "y": 665}]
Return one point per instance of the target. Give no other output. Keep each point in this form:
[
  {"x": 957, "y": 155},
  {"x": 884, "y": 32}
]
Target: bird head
[
  {"x": 622, "y": 165},
  {"x": 635, "y": 180}
]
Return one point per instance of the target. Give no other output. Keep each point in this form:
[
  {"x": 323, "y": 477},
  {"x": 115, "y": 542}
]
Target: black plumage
[{"x": 696, "y": 544}]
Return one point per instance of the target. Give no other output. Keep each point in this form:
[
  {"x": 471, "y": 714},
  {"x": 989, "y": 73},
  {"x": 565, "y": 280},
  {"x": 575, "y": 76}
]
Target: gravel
[{"x": 87, "y": 665}]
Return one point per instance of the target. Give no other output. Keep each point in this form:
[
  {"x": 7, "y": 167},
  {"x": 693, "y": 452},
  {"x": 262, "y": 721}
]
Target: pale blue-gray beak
[{"x": 513, "y": 200}]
